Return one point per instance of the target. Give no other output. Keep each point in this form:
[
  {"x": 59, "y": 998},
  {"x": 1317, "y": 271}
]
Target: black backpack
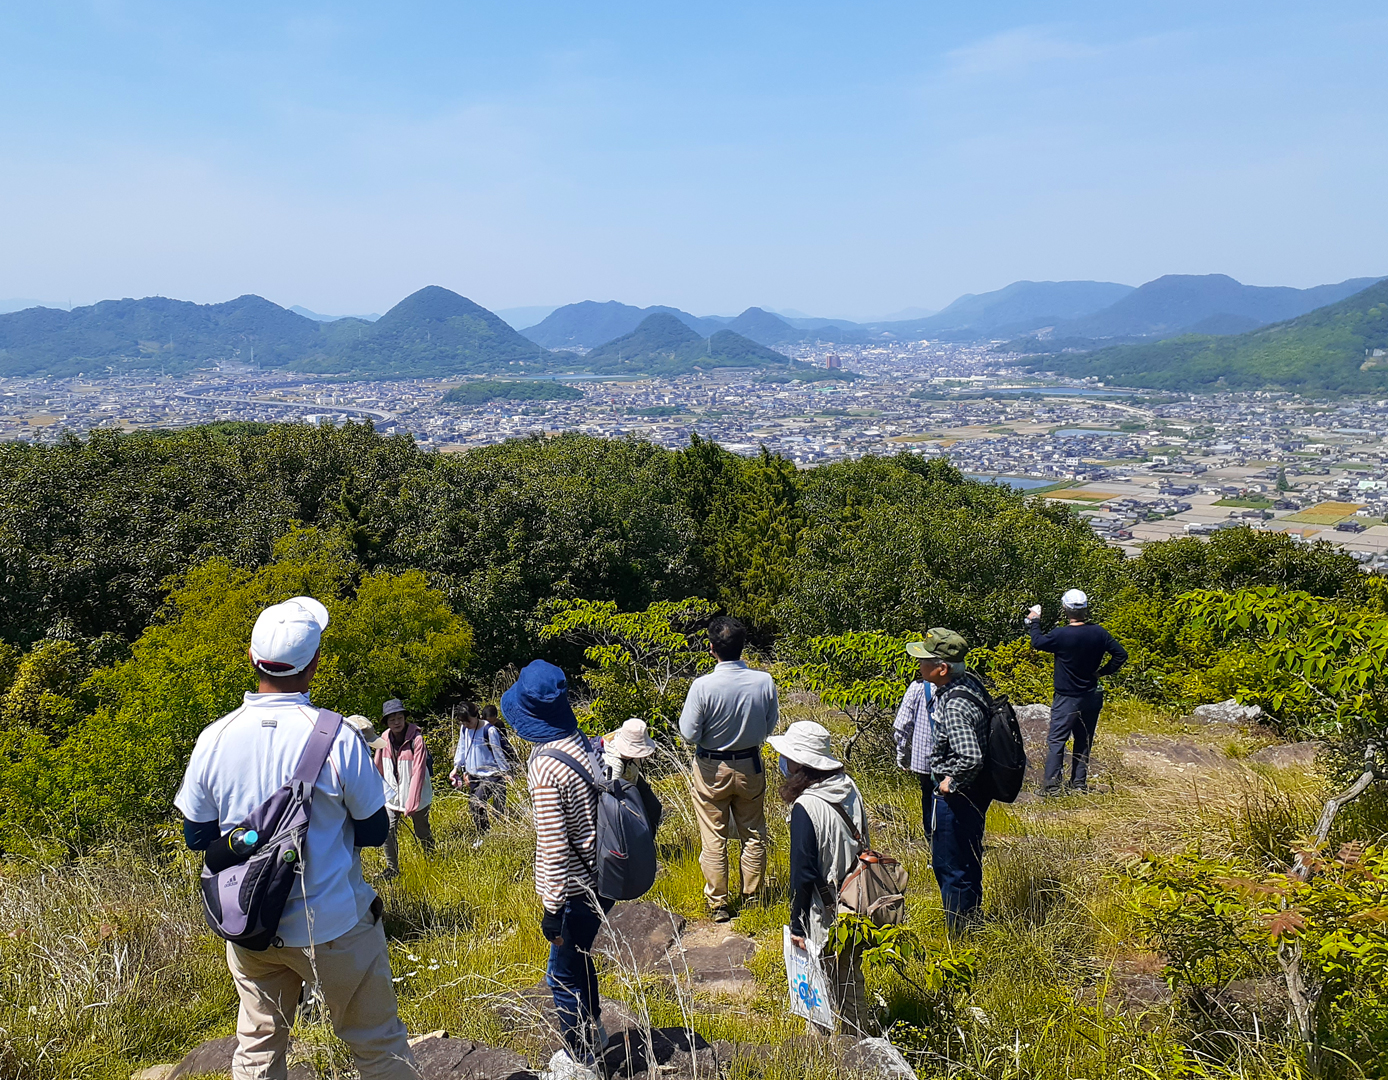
[
  {"x": 244, "y": 900},
  {"x": 626, "y": 861},
  {"x": 1004, "y": 752}
]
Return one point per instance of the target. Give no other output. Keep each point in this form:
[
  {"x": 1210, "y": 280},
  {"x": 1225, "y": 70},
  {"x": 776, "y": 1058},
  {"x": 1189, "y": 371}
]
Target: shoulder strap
[
  {"x": 570, "y": 761},
  {"x": 847, "y": 818},
  {"x": 320, "y": 744}
]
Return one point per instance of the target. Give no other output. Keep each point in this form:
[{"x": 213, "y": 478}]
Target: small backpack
[
  {"x": 244, "y": 901},
  {"x": 626, "y": 861},
  {"x": 876, "y": 887},
  {"x": 507, "y": 750},
  {"x": 1005, "y": 753}
]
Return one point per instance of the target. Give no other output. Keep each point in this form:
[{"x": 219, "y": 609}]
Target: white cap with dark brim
[{"x": 286, "y": 636}]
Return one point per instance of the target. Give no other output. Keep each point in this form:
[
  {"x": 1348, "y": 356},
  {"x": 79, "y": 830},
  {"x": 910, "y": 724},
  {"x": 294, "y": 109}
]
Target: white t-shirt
[{"x": 243, "y": 758}]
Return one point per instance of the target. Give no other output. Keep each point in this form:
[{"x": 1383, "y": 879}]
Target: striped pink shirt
[{"x": 566, "y": 823}]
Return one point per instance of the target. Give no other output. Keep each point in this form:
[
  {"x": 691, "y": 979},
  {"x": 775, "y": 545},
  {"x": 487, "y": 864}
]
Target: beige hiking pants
[
  {"x": 730, "y": 793},
  {"x": 354, "y": 972}
]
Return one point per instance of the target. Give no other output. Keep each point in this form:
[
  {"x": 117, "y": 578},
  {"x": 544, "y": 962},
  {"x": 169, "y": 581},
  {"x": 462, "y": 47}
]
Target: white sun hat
[
  {"x": 367, "y": 730},
  {"x": 1074, "y": 599},
  {"x": 286, "y": 636},
  {"x": 807, "y": 743},
  {"x": 630, "y": 741}
]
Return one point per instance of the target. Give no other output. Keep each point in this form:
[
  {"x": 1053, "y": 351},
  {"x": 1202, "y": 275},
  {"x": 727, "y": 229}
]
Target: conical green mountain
[
  {"x": 662, "y": 345},
  {"x": 1339, "y": 348}
]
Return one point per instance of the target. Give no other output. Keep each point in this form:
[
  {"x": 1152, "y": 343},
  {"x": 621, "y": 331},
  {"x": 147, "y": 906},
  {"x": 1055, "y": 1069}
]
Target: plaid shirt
[
  {"x": 912, "y": 729},
  {"x": 959, "y": 724}
]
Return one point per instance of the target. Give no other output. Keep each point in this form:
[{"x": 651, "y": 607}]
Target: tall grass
[{"x": 105, "y": 965}]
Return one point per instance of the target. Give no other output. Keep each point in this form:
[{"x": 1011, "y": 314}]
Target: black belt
[{"x": 728, "y": 755}]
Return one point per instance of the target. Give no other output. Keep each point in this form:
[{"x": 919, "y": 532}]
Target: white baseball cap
[
  {"x": 286, "y": 636},
  {"x": 1074, "y": 599}
]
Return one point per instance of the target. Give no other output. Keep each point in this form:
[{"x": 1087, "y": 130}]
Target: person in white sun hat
[
  {"x": 823, "y": 851},
  {"x": 331, "y": 932},
  {"x": 1080, "y": 648},
  {"x": 624, "y": 753}
]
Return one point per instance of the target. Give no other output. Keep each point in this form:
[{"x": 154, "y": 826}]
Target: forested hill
[
  {"x": 1330, "y": 350},
  {"x": 664, "y": 345}
]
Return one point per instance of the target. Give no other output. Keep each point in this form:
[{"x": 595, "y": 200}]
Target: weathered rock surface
[
  {"x": 442, "y": 1058},
  {"x": 670, "y": 1053},
  {"x": 1226, "y": 712},
  {"x": 639, "y": 935},
  {"x": 153, "y": 1072},
  {"x": 1174, "y": 758},
  {"x": 214, "y": 1058},
  {"x": 1297, "y": 755},
  {"x": 713, "y": 959},
  {"x": 876, "y": 1059}
]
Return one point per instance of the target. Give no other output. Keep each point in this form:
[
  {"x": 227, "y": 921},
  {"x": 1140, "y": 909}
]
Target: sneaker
[
  {"x": 564, "y": 1067},
  {"x": 1078, "y": 789},
  {"x": 1050, "y": 793},
  {"x": 722, "y": 914}
]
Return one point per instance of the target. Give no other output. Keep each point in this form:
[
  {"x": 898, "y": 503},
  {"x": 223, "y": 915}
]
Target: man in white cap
[
  {"x": 331, "y": 931},
  {"x": 1080, "y": 647}
]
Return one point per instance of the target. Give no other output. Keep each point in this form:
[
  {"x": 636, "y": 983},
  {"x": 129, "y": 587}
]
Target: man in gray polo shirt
[{"x": 727, "y": 715}]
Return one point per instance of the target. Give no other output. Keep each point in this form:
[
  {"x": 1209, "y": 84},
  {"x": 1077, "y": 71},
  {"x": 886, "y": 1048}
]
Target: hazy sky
[{"x": 841, "y": 159}]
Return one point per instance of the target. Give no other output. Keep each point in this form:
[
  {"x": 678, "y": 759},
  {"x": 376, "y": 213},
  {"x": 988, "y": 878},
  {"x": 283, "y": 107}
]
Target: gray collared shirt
[{"x": 733, "y": 707}]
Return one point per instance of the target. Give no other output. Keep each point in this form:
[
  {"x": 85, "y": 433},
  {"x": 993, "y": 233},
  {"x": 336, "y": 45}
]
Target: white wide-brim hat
[
  {"x": 807, "y": 743},
  {"x": 367, "y": 730},
  {"x": 630, "y": 741}
]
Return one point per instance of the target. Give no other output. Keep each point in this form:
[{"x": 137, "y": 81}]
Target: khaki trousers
[
  {"x": 354, "y": 973},
  {"x": 730, "y": 792}
]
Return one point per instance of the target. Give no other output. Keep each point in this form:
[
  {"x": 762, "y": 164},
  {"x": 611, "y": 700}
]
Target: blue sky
[{"x": 846, "y": 160}]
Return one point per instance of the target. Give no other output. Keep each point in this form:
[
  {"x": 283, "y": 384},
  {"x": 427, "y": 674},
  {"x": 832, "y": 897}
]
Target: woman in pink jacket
[{"x": 403, "y": 760}]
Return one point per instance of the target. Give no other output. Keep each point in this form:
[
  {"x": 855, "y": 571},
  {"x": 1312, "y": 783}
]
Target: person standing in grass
[
  {"x": 960, "y": 714},
  {"x": 624, "y": 751},
  {"x": 481, "y": 768},
  {"x": 330, "y": 933},
  {"x": 1084, "y": 653},
  {"x": 404, "y": 764},
  {"x": 912, "y": 735},
  {"x": 727, "y": 715},
  {"x": 827, "y": 809},
  {"x": 565, "y": 807}
]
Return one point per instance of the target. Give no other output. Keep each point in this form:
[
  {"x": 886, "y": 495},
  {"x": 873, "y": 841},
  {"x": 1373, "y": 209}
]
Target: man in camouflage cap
[{"x": 960, "y": 712}]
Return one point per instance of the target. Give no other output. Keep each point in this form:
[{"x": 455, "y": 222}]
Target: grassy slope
[{"x": 464, "y": 936}]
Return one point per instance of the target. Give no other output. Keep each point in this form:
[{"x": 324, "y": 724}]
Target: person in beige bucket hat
[
  {"x": 624, "y": 753},
  {"x": 828, "y": 829}
]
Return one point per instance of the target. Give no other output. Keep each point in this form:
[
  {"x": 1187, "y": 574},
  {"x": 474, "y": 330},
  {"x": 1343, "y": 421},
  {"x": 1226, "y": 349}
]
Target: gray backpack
[
  {"x": 626, "y": 862},
  {"x": 243, "y": 901}
]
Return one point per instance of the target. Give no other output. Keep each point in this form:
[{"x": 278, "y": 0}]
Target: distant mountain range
[
  {"x": 316, "y": 317},
  {"x": 432, "y": 332},
  {"x": 663, "y": 344},
  {"x": 588, "y": 324},
  {"x": 1339, "y": 348},
  {"x": 1020, "y": 307}
]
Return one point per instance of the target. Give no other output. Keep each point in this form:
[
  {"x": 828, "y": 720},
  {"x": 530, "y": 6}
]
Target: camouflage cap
[{"x": 940, "y": 644}]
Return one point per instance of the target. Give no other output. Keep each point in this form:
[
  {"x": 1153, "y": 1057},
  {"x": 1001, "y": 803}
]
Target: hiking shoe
[
  {"x": 1078, "y": 789},
  {"x": 722, "y": 914},
  {"x": 389, "y": 875},
  {"x": 1050, "y": 793}
]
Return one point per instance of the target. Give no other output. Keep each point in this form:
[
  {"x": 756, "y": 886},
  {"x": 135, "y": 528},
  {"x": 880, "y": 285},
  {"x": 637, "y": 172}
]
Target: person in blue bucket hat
[{"x": 565, "y": 806}]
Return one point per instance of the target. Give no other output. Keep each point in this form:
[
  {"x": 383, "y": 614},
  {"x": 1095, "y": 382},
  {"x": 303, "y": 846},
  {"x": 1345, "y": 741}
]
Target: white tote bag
[{"x": 809, "y": 989}]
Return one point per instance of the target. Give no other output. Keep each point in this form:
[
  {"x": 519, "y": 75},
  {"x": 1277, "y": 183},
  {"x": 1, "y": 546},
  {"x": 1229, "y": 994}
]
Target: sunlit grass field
[{"x": 105, "y": 965}]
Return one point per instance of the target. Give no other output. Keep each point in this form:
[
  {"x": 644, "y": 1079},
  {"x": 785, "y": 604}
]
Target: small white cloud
[{"x": 1015, "y": 50}]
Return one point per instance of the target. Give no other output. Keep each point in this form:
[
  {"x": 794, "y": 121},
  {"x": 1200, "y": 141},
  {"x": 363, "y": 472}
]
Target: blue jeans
[
  {"x": 956, "y": 855},
  {"x": 1072, "y": 717},
  {"x": 572, "y": 978}
]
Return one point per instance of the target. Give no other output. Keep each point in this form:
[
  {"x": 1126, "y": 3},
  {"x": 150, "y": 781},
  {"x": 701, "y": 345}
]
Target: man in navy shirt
[{"x": 1080, "y": 648}]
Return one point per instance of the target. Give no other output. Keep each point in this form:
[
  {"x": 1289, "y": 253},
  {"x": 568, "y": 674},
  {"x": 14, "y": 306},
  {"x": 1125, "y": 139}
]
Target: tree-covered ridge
[
  {"x": 482, "y": 391},
  {"x": 664, "y": 345},
  {"x": 1330, "y": 349}
]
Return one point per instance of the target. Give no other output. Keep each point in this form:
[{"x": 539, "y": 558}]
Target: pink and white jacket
[{"x": 408, "y": 786}]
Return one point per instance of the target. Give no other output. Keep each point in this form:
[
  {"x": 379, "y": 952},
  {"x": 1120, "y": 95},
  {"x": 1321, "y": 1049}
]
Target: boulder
[
  {"x": 669, "y": 1053},
  {"x": 440, "y": 1058},
  {"x": 876, "y": 1059},
  {"x": 714, "y": 960},
  {"x": 1297, "y": 755},
  {"x": 153, "y": 1072},
  {"x": 213, "y": 1058},
  {"x": 1226, "y": 712},
  {"x": 639, "y": 935}
]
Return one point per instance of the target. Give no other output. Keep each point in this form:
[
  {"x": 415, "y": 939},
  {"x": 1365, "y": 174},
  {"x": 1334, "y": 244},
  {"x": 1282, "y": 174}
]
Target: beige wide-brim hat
[
  {"x": 630, "y": 741},
  {"x": 366, "y": 730},
  {"x": 807, "y": 743}
]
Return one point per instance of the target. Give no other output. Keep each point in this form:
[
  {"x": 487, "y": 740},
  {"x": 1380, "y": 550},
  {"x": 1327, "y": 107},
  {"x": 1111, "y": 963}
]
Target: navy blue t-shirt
[{"x": 1079, "y": 655}]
